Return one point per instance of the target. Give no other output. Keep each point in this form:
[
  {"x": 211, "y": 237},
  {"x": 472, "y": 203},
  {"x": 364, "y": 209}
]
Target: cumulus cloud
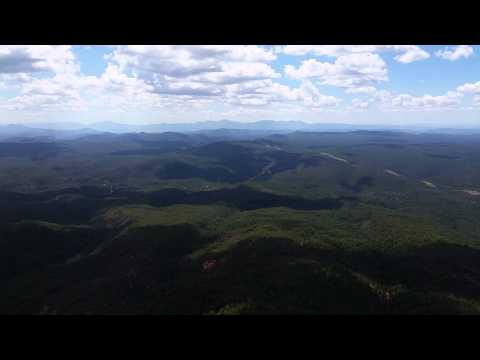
[
  {"x": 14, "y": 81},
  {"x": 473, "y": 88},
  {"x": 348, "y": 71},
  {"x": 46, "y": 76},
  {"x": 195, "y": 70},
  {"x": 329, "y": 50},
  {"x": 456, "y": 53},
  {"x": 227, "y": 79},
  {"x": 311, "y": 96},
  {"x": 268, "y": 92},
  {"x": 410, "y": 102},
  {"x": 182, "y": 61},
  {"x": 408, "y": 53},
  {"x": 15, "y": 59},
  {"x": 72, "y": 90},
  {"x": 359, "y": 104},
  {"x": 361, "y": 90},
  {"x": 237, "y": 75},
  {"x": 241, "y": 75},
  {"x": 174, "y": 77},
  {"x": 236, "y": 72}
]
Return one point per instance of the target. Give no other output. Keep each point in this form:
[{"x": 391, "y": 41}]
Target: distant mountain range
[
  {"x": 263, "y": 125},
  {"x": 68, "y": 131},
  {"x": 21, "y": 132}
]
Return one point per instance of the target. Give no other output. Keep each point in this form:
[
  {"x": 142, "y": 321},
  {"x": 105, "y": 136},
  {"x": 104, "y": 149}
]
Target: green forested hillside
[{"x": 304, "y": 223}]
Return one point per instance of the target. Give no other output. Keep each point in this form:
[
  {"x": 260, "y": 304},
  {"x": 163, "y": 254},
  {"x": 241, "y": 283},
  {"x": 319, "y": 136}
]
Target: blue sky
[
  {"x": 92, "y": 59},
  {"x": 417, "y": 85}
]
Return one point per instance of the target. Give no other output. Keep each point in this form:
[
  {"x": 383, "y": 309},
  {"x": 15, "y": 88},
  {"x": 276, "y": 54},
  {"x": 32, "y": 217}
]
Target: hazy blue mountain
[
  {"x": 20, "y": 132},
  {"x": 263, "y": 125},
  {"x": 109, "y": 126},
  {"x": 69, "y": 130}
]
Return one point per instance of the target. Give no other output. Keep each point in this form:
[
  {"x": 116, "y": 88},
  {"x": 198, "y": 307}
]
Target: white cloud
[
  {"x": 15, "y": 59},
  {"x": 194, "y": 70},
  {"x": 236, "y": 72},
  {"x": 236, "y": 75},
  {"x": 146, "y": 61},
  {"x": 409, "y": 102},
  {"x": 361, "y": 90},
  {"x": 360, "y": 104},
  {"x": 240, "y": 75},
  {"x": 267, "y": 92},
  {"x": 387, "y": 100},
  {"x": 14, "y": 81},
  {"x": 455, "y": 53},
  {"x": 409, "y": 53},
  {"x": 181, "y": 61},
  {"x": 348, "y": 71},
  {"x": 329, "y": 50},
  {"x": 47, "y": 77},
  {"x": 70, "y": 90},
  {"x": 470, "y": 88},
  {"x": 248, "y": 53},
  {"x": 179, "y": 78},
  {"x": 187, "y": 82},
  {"x": 311, "y": 96}
]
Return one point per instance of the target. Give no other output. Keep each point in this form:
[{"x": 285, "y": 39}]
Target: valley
[{"x": 229, "y": 222}]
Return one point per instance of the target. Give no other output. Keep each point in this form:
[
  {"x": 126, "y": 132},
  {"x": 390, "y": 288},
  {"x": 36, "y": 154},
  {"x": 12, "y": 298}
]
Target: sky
[{"x": 406, "y": 85}]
